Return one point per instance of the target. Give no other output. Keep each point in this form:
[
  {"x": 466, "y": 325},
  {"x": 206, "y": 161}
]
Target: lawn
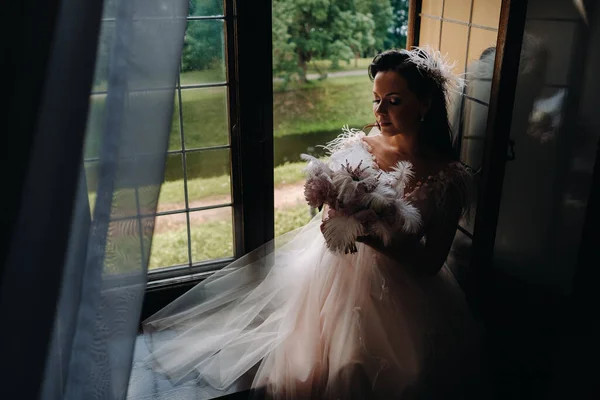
[
  {"x": 323, "y": 106},
  {"x": 320, "y": 66},
  {"x": 214, "y": 239}
]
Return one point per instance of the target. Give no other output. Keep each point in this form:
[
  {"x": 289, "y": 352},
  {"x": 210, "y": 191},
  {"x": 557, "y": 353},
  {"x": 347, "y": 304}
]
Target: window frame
[
  {"x": 248, "y": 38},
  {"x": 496, "y": 140},
  {"x": 415, "y": 16},
  {"x": 194, "y": 271}
]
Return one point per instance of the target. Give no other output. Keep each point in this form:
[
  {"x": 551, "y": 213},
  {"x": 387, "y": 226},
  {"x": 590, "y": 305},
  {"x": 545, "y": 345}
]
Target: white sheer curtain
[{"x": 104, "y": 276}]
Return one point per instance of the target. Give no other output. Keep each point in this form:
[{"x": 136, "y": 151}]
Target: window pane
[
  {"x": 459, "y": 10},
  {"x": 95, "y": 125},
  {"x": 107, "y": 34},
  {"x": 487, "y": 12},
  {"x": 481, "y": 64},
  {"x": 467, "y": 222},
  {"x": 553, "y": 9},
  {"x": 205, "y": 8},
  {"x": 209, "y": 181},
  {"x": 460, "y": 256},
  {"x": 170, "y": 241},
  {"x": 547, "y": 115},
  {"x": 430, "y": 32},
  {"x": 203, "y": 59},
  {"x": 123, "y": 246},
  {"x": 454, "y": 42},
  {"x": 175, "y": 135},
  {"x": 91, "y": 178},
  {"x": 480, "y": 40},
  {"x": 172, "y": 195},
  {"x": 212, "y": 234},
  {"x": 551, "y": 51},
  {"x": 432, "y": 7},
  {"x": 471, "y": 152},
  {"x": 205, "y": 117},
  {"x": 474, "y": 126}
]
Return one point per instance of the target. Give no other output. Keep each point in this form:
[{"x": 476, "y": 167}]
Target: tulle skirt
[{"x": 313, "y": 324}]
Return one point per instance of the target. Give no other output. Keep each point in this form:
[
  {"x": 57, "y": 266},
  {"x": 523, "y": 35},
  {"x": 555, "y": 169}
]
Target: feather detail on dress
[
  {"x": 438, "y": 66},
  {"x": 348, "y": 137},
  {"x": 364, "y": 200}
]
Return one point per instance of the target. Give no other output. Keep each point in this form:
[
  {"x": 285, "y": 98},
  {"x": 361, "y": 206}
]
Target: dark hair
[
  {"x": 436, "y": 132},
  {"x": 487, "y": 52}
]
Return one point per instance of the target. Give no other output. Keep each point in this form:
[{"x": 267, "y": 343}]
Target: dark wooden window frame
[
  {"x": 250, "y": 96},
  {"x": 508, "y": 49}
]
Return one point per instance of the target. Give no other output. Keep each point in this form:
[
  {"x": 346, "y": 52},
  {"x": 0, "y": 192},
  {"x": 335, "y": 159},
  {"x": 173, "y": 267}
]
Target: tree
[
  {"x": 285, "y": 58},
  {"x": 203, "y": 44},
  {"x": 396, "y": 37},
  {"x": 382, "y": 13},
  {"x": 305, "y": 30}
]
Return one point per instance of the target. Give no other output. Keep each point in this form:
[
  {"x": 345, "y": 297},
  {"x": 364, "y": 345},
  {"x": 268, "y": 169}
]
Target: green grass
[
  {"x": 323, "y": 106},
  {"x": 205, "y": 76},
  {"x": 210, "y": 240},
  {"x": 319, "y": 66},
  {"x": 214, "y": 239},
  {"x": 290, "y": 218}
]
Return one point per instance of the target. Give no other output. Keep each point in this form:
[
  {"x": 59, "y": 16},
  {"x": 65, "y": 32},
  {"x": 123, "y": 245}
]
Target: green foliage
[
  {"x": 285, "y": 58},
  {"x": 323, "y": 106},
  {"x": 337, "y": 30},
  {"x": 209, "y": 240},
  {"x": 205, "y": 7},
  {"x": 396, "y": 37},
  {"x": 203, "y": 46},
  {"x": 382, "y": 13}
]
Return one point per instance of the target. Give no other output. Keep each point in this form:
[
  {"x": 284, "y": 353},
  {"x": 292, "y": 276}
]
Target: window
[
  {"x": 465, "y": 30},
  {"x": 196, "y": 228},
  {"x": 321, "y": 84}
]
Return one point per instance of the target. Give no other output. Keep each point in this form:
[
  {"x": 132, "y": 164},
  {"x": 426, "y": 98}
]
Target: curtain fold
[{"x": 105, "y": 270}]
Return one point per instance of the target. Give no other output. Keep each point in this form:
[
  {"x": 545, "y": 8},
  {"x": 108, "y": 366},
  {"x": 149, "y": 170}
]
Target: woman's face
[{"x": 396, "y": 108}]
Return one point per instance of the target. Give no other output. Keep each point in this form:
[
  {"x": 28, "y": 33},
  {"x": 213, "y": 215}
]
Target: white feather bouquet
[{"x": 362, "y": 201}]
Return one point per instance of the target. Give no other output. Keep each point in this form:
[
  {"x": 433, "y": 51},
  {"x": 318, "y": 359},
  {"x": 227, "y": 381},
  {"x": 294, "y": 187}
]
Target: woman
[{"x": 381, "y": 322}]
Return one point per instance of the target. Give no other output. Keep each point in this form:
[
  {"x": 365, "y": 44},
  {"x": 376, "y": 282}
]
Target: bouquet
[{"x": 362, "y": 201}]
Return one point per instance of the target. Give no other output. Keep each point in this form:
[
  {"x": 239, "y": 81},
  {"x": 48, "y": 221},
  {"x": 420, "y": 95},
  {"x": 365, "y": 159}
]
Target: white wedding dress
[{"x": 324, "y": 325}]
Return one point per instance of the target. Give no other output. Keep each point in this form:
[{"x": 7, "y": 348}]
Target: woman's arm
[{"x": 423, "y": 258}]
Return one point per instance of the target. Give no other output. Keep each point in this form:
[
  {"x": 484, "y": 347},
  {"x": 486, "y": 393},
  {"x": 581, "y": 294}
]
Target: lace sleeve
[{"x": 444, "y": 196}]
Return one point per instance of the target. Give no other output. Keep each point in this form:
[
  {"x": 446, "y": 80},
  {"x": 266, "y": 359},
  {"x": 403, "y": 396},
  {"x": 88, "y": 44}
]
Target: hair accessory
[{"x": 436, "y": 65}]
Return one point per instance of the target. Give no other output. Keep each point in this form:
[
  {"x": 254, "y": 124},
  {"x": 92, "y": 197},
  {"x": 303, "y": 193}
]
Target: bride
[{"x": 387, "y": 320}]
